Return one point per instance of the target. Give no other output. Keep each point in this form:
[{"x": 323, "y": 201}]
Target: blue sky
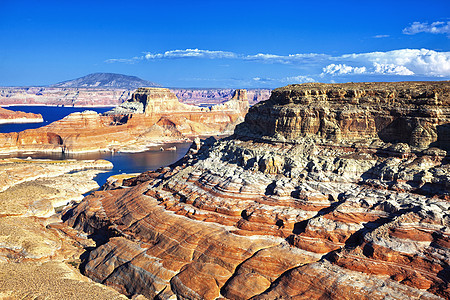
[{"x": 231, "y": 43}]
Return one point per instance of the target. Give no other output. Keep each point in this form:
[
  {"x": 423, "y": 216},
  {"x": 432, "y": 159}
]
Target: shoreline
[
  {"x": 107, "y": 150},
  {"x": 21, "y": 121},
  {"x": 62, "y": 106}
]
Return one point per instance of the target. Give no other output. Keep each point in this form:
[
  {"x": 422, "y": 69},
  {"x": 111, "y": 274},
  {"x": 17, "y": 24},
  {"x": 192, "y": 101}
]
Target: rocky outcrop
[
  {"x": 414, "y": 113},
  {"x": 152, "y": 115},
  {"x": 216, "y": 96},
  {"x": 14, "y": 117},
  {"x": 291, "y": 211},
  {"x": 37, "y": 251},
  {"x": 84, "y": 97},
  {"x": 113, "y": 96}
]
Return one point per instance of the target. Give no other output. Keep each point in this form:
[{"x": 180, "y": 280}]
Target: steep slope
[
  {"x": 311, "y": 198},
  {"x": 106, "y": 80},
  {"x": 152, "y": 115}
]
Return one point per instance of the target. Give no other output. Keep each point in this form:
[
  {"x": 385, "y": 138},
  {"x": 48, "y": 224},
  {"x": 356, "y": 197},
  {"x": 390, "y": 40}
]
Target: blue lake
[
  {"x": 49, "y": 114},
  {"x": 123, "y": 162}
]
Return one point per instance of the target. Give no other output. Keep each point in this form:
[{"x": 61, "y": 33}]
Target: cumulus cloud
[
  {"x": 418, "y": 61},
  {"x": 405, "y": 62},
  {"x": 391, "y": 69},
  {"x": 341, "y": 69},
  {"x": 435, "y": 27}
]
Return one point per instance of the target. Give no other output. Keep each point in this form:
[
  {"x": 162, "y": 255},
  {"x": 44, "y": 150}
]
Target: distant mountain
[{"x": 106, "y": 80}]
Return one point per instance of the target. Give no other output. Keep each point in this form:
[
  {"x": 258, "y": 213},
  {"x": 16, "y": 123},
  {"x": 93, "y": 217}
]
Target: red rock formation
[
  {"x": 63, "y": 96},
  {"x": 112, "y": 96},
  {"x": 11, "y": 117},
  {"x": 271, "y": 217},
  {"x": 152, "y": 115}
]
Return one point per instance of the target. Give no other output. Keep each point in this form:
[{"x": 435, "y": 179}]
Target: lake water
[
  {"x": 49, "y": 114},
  {"x": 123, "y": 162}
]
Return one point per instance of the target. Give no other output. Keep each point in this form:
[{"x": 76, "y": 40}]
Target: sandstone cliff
[
  {"x": 63, "y": 96},
  {"x": 215, "y": 96},
  {"x": 151, "y": 115},
  {"x": 314, "y": 197},
  {"x": 94, "y": 97},
  {"x": 11, "y": 117}
]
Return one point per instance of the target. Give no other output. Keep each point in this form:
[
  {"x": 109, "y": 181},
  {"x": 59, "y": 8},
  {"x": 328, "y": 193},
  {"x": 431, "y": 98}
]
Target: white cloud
[
  {"x": 191, "y": 53},
  {"x": 342, "y": 69},
  {"x": 298, "y": 79},
  {"x": 435, "y": 27},
  {"x": 290, "y": 79},
  {"x": 377, "y": 68},
  {"x": 391, "y": 69},
  {"x": 380, "y": 36},
  {"x": 125, "y": 60},
  {"x": 420, "y": 62},
  {"x": 287, "y": 59}
]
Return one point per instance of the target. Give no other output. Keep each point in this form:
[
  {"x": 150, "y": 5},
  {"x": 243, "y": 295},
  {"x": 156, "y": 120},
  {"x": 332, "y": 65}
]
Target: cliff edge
[{"x": 318, "y": 194}]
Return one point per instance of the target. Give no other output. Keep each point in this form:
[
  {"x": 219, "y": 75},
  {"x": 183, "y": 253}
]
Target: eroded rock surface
[
  {"x": 152, "y": 115},
  {"x": 113, "y": 96},
  {"x": 285, "y": 211},
  {"x": 38, "y": 253}
]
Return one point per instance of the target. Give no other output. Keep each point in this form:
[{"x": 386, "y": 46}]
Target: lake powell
[{"x": 123, "y": 162}]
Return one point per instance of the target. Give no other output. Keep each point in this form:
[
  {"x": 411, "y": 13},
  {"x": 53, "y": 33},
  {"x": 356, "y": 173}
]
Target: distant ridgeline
[
  {"x": 107, "y": 80},
  {"x": 109, "y": 89}
]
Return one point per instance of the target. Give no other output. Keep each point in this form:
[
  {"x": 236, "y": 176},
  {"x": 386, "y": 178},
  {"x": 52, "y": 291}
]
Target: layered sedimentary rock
[
  {"x": 413, "y": 113},
  {"x": 112, "y": 96},
  {"x": 311, "y": 198},
  {"x": 63, "y": 96},
  {"x": 151, "y": 115},
  {"x": 11, "y": 117},
  {"x": 38, "y": 252},
  {"x": 215, "y": 96}
]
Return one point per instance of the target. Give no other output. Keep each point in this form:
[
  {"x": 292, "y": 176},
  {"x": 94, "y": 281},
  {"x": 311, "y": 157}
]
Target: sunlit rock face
[
  {"x": 151, "y": 115},
  {"x": 416, "y": 113},
  {"x": 78, "y": 96},
  {"x": 37, "y": 251},
  {"x": 285, "y": 211},
  {"x": 13, "y": 117}
]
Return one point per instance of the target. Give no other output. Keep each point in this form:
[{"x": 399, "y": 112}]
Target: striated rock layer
[
  {"x": 13, "y": 117},
  {"x": 112, "y": 95},
  {"x": 151, "y": 115},
  {"x": 289, "y": 211},
  {"x": 38, "y": 252}
]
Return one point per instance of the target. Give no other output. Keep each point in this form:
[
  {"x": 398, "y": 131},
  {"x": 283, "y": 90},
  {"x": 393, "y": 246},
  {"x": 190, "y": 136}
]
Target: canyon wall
[
  {"x": 215, "y": 96},
  {"x": 324, "y": 192},
  {"x": 152, "y": 115},
  {"x": 93, "y": 97},
  {"x": 13, "y": 117},
  {"x": 63, "y": 96}
]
